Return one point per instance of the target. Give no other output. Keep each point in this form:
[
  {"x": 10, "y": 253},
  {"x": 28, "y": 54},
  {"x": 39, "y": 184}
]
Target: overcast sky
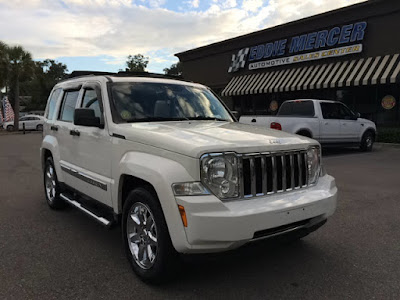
[{"x": 99, "y": 34}]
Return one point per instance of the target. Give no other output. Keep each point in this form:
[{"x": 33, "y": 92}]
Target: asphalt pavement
[{"x": 47, "y": 254}]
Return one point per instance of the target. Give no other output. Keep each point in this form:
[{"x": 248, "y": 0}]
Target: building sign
[
  {"x": 293, "y": 50},
  {"x": 388, "y": 102}
]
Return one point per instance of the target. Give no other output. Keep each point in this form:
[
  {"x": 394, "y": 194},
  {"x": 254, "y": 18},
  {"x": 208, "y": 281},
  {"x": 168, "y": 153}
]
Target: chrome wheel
[
  {"x": 50, "y": 183},
  {"x": 368, "y": 141},
  {"x": 142, "y": 235}
]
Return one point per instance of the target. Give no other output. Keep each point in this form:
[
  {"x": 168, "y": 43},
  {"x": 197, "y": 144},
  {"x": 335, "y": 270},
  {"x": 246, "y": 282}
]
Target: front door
[
  {"x": 93, "y": 146},
  {"x": 350, "y": 129},
  {"x": 329, "y": 126}
]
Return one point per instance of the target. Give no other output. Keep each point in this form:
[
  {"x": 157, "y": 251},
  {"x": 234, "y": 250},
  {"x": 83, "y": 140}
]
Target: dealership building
[{"x": 349, "y": 54}]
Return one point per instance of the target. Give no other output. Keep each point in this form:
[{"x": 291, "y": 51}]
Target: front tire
[
  {"x": 39, "y": 127},
  {"x": 146, "y": 238},
  {"x": 52, "y": 186},
  {"x": 367, "y": 141}
]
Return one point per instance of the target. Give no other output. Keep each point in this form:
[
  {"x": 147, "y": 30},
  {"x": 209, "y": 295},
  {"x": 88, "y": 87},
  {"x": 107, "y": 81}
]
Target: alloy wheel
[{"x": 142, "y": 235}]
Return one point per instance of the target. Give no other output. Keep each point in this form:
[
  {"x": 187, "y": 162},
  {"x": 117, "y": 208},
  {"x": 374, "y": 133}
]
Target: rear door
[
  {"x": 329, "y": 123},
  {"x": 66, "y": 140}
]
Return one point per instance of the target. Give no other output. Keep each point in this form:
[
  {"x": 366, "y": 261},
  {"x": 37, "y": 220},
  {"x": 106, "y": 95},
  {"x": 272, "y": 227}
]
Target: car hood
[{"x": 194, "y": 138}]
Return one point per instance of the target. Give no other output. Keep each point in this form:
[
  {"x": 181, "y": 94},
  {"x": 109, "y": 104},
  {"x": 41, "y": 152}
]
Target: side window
[
  {"x": 346, "y": 113},
  {"x": 68, "y": 106},
  {"x": 330, "y": 110},
  {"x": 23, "y": 119},
  {"x": 52, "y": 104},
  {"x": 90, "y": 101}
]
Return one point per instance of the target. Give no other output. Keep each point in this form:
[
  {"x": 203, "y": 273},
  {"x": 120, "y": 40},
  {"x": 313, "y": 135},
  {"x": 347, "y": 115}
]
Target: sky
[{"x": 98, "y": 35}]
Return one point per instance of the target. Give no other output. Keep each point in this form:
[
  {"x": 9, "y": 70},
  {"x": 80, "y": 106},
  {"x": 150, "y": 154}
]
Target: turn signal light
[
  {"x": 276, "y": 125},
  {"x": 183, "y": 215}
]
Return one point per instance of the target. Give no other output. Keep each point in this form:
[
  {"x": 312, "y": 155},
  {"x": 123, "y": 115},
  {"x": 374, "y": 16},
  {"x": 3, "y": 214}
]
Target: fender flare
[
  {"x": 305, "y": 129},
  {"x": 50, "y": 143},
  {"x": 161, "y": 173}
]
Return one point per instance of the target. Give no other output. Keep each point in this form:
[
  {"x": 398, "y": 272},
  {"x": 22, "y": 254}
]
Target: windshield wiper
[
  {"x": 202, "y": 118},
  {"x": 154, "y": 119}
]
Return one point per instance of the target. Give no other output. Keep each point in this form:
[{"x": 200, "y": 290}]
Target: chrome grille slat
[
  {"x": 299, "y": 162},
  {"x": 292, "y": 171},
  {"x": 305, "y": 160},
  {"x": 264, "y": 175},
  {"x": 274, "y": 175},
  {"x": 253, "y": 176},
  {"x": 269, "y": 173},
  {"x": 283, "y": 159}
]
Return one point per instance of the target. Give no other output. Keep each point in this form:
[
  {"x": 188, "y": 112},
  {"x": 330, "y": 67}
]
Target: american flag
[
  {"x": 8, "y": 110},
  {"x": 1, "y": 115}
]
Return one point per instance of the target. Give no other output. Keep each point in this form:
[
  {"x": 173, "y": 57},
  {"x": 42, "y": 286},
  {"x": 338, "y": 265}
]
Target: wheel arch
[
  {"x": 156, "y": 174},
  {"x": 307, "y": 132}
]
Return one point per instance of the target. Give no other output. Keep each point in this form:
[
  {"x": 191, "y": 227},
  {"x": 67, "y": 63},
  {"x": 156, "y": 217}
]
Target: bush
[{"x": 389, "y": 135}]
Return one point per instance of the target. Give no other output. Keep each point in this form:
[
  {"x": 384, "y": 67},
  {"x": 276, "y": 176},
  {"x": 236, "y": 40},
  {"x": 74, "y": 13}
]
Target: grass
[{"x": 389, "y": 135}]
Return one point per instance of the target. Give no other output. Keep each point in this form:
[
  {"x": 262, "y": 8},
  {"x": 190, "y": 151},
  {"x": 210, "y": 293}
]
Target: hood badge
[{"x": 275, "y": 142}]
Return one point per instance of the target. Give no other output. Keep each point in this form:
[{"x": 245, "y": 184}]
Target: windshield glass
[{"x": 146, "y": 102}]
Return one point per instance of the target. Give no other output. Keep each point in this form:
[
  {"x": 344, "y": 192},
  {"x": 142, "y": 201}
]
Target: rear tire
[
  {"x": 10, "y": 128},
  {"x": 304, "y": 133},
  {"x": 367, "y": 141},
  {"x": 146, "y": 238},
  {"x": 52, "y": 186}
]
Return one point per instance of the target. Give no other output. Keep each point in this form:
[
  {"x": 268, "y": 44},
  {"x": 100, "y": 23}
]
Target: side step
[{"x": 100, "y": 219}]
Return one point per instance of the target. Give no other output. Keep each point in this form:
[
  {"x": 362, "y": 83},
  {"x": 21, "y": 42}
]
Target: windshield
[{"x": 146, "y": 102}]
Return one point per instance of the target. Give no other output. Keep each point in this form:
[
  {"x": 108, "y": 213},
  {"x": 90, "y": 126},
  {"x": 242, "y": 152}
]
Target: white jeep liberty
[{"x": 168, "y": 159}]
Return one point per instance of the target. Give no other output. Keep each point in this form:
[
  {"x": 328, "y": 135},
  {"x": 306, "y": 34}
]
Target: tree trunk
[{"x": 16, "y": 105}]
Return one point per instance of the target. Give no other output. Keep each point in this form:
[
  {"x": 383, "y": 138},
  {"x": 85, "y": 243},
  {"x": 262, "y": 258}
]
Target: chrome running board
[{"x": 102, "y": 220}]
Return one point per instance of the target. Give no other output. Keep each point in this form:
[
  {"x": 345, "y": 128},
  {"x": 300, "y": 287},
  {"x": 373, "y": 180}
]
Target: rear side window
[
  {"x": 68, "y": 106},
  {"x": 52, "y": 103},
  {"x": 297, "y": 108}
]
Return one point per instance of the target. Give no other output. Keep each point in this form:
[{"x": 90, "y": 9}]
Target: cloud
[{"x": 117, "y": 28}]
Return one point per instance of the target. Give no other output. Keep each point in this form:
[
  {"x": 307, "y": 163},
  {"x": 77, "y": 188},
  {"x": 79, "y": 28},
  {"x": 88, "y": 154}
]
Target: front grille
[{"x": 270, "y": 173}]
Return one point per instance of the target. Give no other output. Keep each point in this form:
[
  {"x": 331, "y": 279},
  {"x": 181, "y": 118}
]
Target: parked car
[
  {"x": 329, "y": 122},
  {"x": 167, "y": 160},
  {"x": 32, "y": 122}
]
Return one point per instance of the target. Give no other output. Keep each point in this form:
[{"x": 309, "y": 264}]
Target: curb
[{"x": 388, "y": 145}]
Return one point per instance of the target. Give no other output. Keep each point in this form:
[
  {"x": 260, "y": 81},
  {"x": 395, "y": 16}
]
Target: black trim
[
  {"x": 118, "y": 136},
  {"x": 85, "y": 178}
]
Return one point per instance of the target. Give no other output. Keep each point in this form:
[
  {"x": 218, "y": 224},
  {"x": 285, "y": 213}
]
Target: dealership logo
[
  {"x": 239, "y": 60},
  {"x": 299, "y": 48}
]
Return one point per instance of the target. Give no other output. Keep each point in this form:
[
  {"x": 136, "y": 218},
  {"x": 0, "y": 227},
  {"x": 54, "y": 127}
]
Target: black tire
[
  {"x": 166, "y": 261},
  {"x": 39, "y": 127},
  {"x": 54, "y": 202},
  {"x": 367, "y": 141},
  {"x": 10, "y": 128},
  {"x": 304, "y": 133}
]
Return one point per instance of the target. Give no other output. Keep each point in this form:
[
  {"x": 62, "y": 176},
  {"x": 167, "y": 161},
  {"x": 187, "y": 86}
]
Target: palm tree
[
  {"x": 21, "y": 67},
  {"x": 3, "y": 64}
]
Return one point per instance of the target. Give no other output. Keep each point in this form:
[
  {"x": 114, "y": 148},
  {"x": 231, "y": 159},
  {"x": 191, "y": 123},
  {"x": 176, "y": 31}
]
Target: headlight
[
  {"x": 314, "y": 166},
  {"x": 219, "y": 172}
]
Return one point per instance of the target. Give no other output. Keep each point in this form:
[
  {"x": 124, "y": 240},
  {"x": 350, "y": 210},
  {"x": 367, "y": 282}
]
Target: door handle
[
  {"x": 326, "y": 123},
  {"x": 54, "y": 128},
  {"x": 74, "y": 132}
]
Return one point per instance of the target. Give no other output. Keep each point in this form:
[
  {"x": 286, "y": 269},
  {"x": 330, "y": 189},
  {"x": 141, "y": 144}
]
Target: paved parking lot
[{"x": 65, "y": 255}]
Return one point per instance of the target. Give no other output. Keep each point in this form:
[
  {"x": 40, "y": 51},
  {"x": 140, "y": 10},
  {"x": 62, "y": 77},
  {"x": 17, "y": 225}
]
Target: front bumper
[{"x": 215, "y": 226}]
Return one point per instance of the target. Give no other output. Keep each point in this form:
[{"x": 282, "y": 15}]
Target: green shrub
[{"x": 389, "y": 135}]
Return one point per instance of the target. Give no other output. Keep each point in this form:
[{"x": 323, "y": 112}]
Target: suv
[{"x": 169, "y": 161}]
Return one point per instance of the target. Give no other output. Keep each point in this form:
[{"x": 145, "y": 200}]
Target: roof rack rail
[
  {"x": 88, "y": 73},
  {"x": 148, "y": 74}
]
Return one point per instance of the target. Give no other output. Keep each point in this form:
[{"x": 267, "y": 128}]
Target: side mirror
[
  {"x": 235, "y": 114},
  {"x": 86, "y": 117},
  {"x": 358, "y": 115}
]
